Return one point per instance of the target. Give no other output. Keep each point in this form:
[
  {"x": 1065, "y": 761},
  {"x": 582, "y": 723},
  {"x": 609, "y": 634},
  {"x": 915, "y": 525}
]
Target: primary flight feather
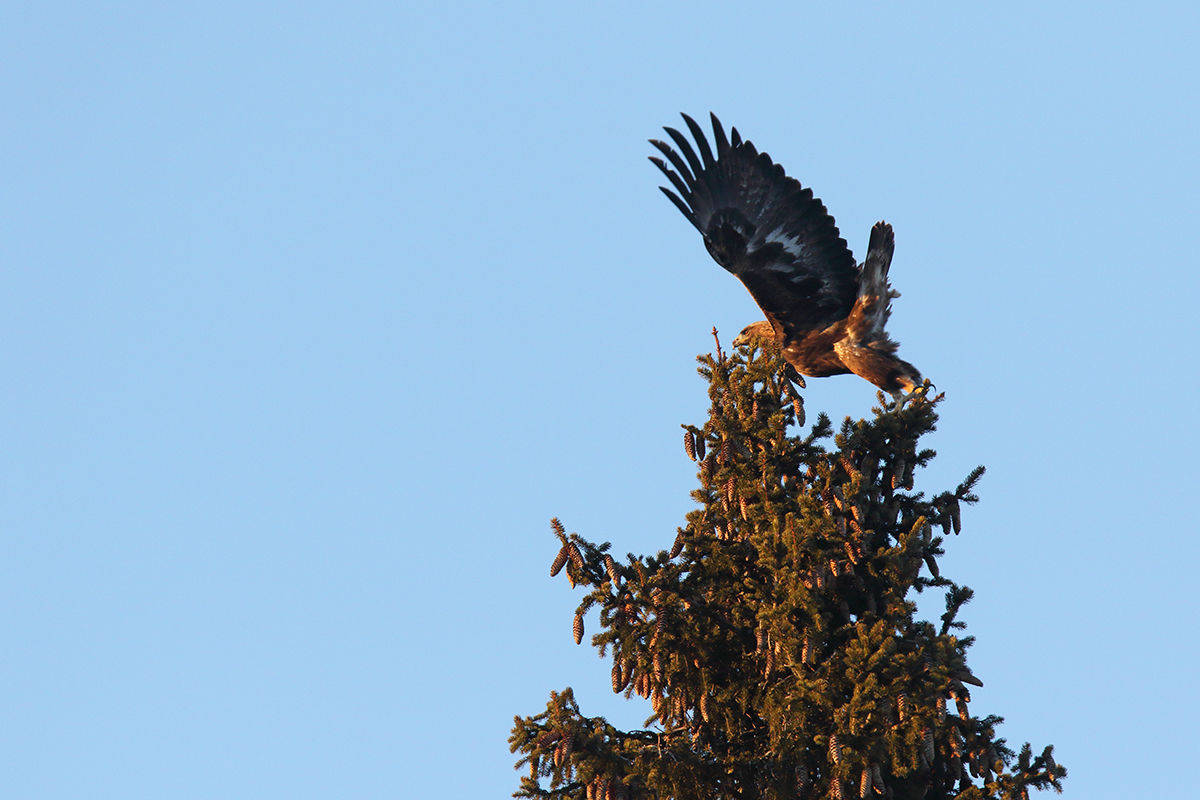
[{"x": 826, "y": 313}]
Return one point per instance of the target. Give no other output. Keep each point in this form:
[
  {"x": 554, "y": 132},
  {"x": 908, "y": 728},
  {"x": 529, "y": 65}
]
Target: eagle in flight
[{"x": 826, "y": 313}]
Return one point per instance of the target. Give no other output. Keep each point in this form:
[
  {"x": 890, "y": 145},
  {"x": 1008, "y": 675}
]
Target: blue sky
[{"x": 312, "y": 315}]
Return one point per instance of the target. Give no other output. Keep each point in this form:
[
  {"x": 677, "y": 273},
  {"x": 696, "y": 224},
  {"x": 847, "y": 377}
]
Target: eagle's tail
[
  {"x": 875, "y": 294},
  {"x": 866, "y": 349}
]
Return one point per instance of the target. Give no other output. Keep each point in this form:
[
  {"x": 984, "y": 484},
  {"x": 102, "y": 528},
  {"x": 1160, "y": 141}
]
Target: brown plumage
[{"x": 824, "y": 311}]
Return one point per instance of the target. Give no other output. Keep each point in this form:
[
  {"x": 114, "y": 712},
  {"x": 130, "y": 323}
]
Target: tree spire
[{"x": 777, "y": 640}]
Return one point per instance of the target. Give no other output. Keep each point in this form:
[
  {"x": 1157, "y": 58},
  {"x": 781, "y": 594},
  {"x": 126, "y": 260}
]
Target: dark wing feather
[{"x": 762, "y": 226}]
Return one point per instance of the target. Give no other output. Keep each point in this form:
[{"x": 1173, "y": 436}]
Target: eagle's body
[{"x": 826, "y": 313}]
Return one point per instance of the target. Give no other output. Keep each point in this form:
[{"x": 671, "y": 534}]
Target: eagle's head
[{"x": 757, "y": 333}]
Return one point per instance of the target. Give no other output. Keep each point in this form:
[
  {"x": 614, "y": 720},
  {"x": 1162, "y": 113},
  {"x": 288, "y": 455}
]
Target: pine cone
[
  {"x": 558, "y": 753},
  {"x": 835, "y": 788},
  {"x": 578, "y": 627},
  {"x": 677, "y": 548},
  {"x": 927, "y": 745},
  {"x": 877, "y": 779},
  {"x": 576, "y": 557},
  {"x": 835, "y": 749},
  {"x": 559, "y": 561},
  {"x": 704, "y": 706},
  {"x": 700, "y": 447},
  {"x": 618, "y": 678},
  {"x": 630, "y": 610},
  {"x": 965, "y": 676},
  {"x": 864, "y": 783},
  {"x": 742, "y": 507},
  {"x": 611, "y": 566},
  {"x": 729, "y": 487},
  {"x": 689, "y": 444},
  {"x": 726, "y": 455},
  {"x": 955, "y": 517},
  {"x": 853, "y": 551}
]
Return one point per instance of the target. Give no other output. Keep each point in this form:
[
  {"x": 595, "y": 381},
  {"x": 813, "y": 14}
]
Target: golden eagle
[{"x": 825, "y": 312}]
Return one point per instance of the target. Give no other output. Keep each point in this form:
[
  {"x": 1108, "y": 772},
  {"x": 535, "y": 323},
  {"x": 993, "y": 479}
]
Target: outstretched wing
[{"x": 762, "y": 226}]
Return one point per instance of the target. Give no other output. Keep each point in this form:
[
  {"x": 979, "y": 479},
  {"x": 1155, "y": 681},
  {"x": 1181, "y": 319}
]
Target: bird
[{"x": 825, "y": 312}]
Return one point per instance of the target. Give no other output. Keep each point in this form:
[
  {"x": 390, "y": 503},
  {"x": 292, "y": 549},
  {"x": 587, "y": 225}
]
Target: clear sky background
[{"x": 313, "y": 314}]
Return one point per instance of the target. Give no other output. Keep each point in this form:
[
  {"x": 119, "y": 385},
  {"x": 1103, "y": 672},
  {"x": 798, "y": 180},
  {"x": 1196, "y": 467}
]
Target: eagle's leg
[
  {"x": 918, "y": 393},
  {"x": 895, "y": 376}
]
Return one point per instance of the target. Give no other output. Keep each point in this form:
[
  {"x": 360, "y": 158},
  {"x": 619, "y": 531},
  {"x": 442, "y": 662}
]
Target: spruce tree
[{"x": 777, "y": 639}]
